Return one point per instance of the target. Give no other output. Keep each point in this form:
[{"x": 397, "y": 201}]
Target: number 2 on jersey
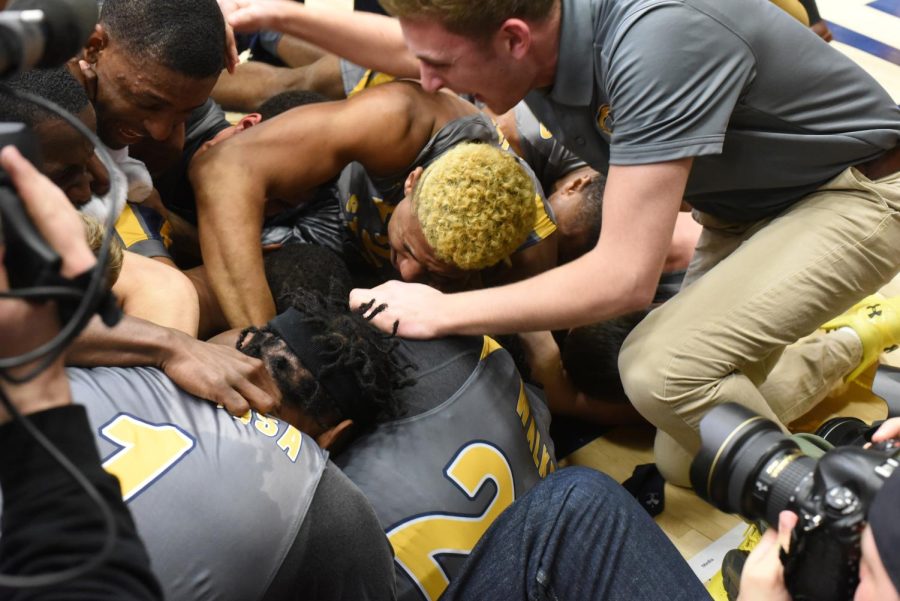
[
  {"x": 147, "y": 451},
  {"x": 418, "y": 542}
]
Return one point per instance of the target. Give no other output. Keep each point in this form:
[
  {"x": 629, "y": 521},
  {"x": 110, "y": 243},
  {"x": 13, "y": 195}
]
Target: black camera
[{"x": 748, "y": 466}]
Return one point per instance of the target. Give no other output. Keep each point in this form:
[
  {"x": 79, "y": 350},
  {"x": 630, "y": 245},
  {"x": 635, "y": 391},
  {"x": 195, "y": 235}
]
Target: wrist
[{"x": 168, "y": 347}]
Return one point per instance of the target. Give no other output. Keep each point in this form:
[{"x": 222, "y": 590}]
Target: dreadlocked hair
[{"x": 350, "y": 347}]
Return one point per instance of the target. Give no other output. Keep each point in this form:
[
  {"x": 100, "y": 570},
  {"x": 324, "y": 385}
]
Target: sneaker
[{"x": 876, "y": 320}]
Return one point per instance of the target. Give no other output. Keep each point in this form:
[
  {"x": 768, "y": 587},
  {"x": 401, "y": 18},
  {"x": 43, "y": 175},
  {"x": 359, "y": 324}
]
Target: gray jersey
[
  {"x": 767, "y": 109},
  {"x": 476, "y": 439},
  {"x": 217, "y": 500},
  {"x": 549, "y": 159}
]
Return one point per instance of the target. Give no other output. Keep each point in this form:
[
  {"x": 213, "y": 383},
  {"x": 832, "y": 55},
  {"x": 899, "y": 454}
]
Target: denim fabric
[{"x": 576, "y": 536}]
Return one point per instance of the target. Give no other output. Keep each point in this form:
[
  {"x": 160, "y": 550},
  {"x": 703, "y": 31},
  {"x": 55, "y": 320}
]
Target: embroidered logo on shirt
[{"x": 602, "y": 115}]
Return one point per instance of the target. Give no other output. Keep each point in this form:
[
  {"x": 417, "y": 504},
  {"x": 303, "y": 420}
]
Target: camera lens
[{"x": 746, "y": 465}]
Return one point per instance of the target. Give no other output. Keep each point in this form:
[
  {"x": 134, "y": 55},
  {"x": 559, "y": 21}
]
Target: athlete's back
[
  {"x": 231, "y": 508},
  {"x": 474, "y": 438}
]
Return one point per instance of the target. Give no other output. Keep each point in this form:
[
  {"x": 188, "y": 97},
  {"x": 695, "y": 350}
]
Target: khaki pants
[{"x": 752, "y": 290}]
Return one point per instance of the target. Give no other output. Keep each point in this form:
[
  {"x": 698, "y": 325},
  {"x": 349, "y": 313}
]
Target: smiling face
[
  {"x": 489, "y": 68},
  {"x": 67, "y": 155},
  {"x": 136, "y": 100}
]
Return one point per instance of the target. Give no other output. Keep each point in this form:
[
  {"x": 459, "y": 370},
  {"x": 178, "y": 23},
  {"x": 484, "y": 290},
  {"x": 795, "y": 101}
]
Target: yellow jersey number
[
  {"x": 418, "y": 542},
  {"x": 147, "y": 451}
]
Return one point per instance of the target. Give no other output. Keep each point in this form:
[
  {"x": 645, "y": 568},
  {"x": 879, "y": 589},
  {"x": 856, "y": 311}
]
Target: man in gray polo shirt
[{"x": 729, "y": 104}]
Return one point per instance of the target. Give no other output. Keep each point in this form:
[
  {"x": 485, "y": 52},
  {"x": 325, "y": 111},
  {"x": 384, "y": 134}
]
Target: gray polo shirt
[{"x": 769, "y": 111}]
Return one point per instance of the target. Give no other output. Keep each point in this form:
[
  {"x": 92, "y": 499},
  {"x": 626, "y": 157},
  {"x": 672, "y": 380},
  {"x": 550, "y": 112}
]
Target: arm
[
  {"x": 286, "y": 159},
  {"x": 619, "y": 275},
  {"x": 49, "y": 521},
  {"x": 208, "y": 371},
  {"x": 528, "y": 262},
  {"x": 562, "y": 397},
  {"x": 369, "y": 40}
]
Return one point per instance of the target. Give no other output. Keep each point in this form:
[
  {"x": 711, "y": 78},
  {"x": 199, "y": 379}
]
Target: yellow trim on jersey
[
  {"x": 490, "y": 345},
  {"x": 543, "y": 225},
  {"x": 793, "y": 8},
  {"x": 130, "y": 228},
  {"x": 370, "y": 79}
]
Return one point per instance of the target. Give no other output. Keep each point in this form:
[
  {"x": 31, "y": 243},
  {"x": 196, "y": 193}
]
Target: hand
[
  {"x": 223, "y": 375},
  {"x": 253, "y": 15},
  {"x": 889, "y": 429},
  {"x": 25, "y": 325},
  {"x": 763, "y": 575},
  {"x": 822, "y": 30},
  {"x": 415, "y": 308},
  {"x": 231, "y": 52}
]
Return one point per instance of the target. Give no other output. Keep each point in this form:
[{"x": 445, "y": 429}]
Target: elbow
[{"x": 639, "y": 294}]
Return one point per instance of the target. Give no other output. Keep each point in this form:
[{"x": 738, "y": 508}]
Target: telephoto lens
[{"x": 747, "y": 465}]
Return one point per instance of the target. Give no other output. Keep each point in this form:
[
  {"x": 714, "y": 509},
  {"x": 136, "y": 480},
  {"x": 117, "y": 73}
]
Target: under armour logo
[
  {"x": 651, "y": 499},
  {"x": 874, "y": 311},
  {"x": 891, "y": 349}
]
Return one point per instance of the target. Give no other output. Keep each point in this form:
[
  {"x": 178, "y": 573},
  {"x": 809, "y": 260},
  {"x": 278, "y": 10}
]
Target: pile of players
[{"x": 248, "y": 403}]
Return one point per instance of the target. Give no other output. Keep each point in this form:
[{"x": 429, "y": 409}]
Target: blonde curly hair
[
  {"x": 94, "y": 232},
  {"x": 475, "y": 204}
]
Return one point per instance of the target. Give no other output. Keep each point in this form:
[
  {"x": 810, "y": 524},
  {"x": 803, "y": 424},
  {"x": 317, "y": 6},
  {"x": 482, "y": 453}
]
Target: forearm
[
  {"x": 133, "y": 342},
  {"x": 367, "y": 39},
  {"x": 584, "y": 291},
  {"x": 49, "y": 522},
  {"x": 230, "y": 203}
]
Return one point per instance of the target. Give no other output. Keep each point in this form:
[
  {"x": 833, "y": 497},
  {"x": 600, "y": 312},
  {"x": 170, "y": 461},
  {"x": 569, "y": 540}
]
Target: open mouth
[{"x": 130, "y": 135}]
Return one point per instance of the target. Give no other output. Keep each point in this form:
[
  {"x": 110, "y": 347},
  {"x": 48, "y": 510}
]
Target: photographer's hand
[
  {"x": 763, "y": 575},
  {"x": 887, "y": 430},
  {"x": 25, "y": 325}
]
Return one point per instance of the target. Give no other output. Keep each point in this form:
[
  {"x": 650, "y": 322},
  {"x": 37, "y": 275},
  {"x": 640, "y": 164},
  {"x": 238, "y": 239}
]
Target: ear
[
  {"x": 249, "y": 121},
  {"x": 579, "y": 183},
  {"x": 516, "y": 37},
  {"x": 335, "y": 437},
  {"x": 412, "y": 179},
  {"x": 95, "y": 44}
]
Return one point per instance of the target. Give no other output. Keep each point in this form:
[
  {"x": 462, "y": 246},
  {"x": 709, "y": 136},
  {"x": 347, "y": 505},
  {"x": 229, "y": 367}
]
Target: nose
[
  {"x": 430, "y": 80},
  {"x": 410, "y": 269},
  {"x": 80, "y": 192},
  {"x": 160, "y": 127}
]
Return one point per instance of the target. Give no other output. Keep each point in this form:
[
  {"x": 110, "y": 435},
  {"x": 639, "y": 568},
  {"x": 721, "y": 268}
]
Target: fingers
[
  {"x": 889, "y": 429},
  {"x": 232, "y": 401},
  {"x": 360, "y": 297},
  {"x": 786, "y": 522},
  {"x": 231, "y": 52},
  {"x": 259, "y": 400},
  {"x": 4, "y": 279},
  {"x": 50, "y": 211}
]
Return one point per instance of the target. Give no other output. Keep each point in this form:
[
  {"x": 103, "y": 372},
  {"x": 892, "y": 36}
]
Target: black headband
[
  {"x": 300, "y": 336},
  {"x": 883, "y": 518}
]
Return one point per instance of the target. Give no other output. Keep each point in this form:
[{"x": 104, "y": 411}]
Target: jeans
[{"x": 578, "y": 535}]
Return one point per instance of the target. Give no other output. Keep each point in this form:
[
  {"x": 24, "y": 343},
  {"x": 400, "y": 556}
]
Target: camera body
[
  {"x": 29, "y": 260},
  {"x": 748, "y": 466}
]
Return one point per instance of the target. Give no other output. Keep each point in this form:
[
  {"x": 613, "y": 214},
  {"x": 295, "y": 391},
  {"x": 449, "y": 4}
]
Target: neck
[{"x": 545, "y": 43}]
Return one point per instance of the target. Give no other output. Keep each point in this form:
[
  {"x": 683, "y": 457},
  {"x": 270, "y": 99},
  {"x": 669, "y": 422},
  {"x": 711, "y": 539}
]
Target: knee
[
  {"x": 578, "y": 489},
  {"x": 643, "y": 363}
]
